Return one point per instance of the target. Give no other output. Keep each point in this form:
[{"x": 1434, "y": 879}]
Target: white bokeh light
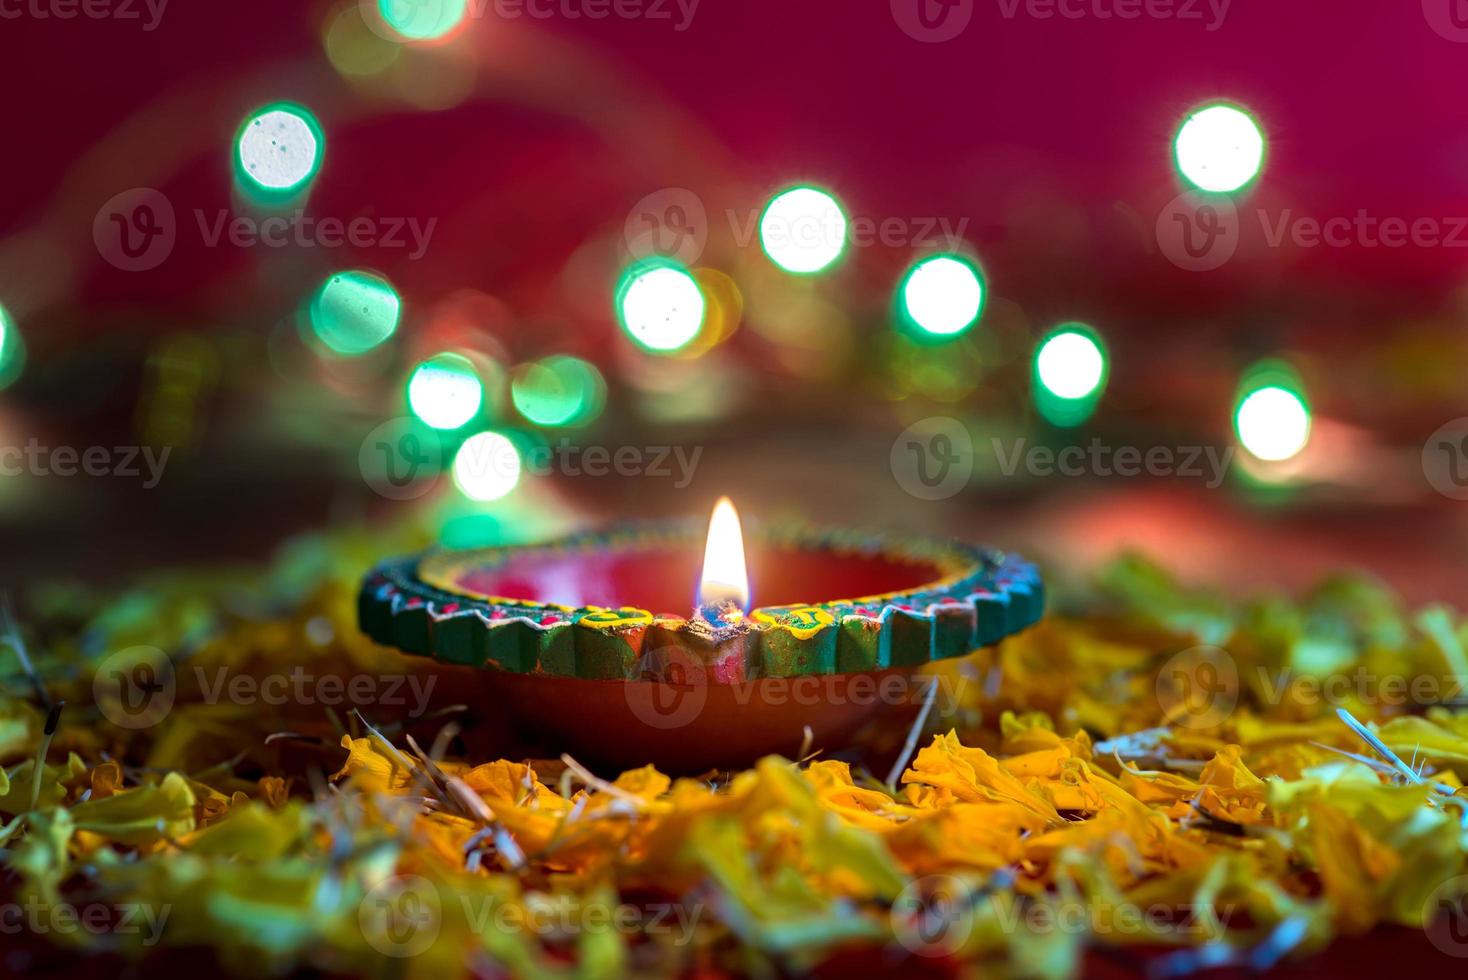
[
  {"x": 279, "y": 149},
  {"x": 1273, "y": 424},
  {"x": 1070, "y": 365},
  {"x": 487, "y": 466},
  {"x": 662, "y": 307},
  {"x": 1219, "y": 148},
  {"x": 445, "y": 391},
  {"x": 803, "y": 230},
  {"x": 943, "y": 295}
]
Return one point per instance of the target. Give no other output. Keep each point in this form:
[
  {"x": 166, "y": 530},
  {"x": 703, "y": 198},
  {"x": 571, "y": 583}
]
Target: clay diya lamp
[{"x": 571, "y": 640}]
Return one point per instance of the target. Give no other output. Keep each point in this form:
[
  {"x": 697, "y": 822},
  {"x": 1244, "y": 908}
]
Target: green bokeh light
[
  {"x": 423, "y": 20},
  {"x": 445, "y": 391},
  {"x": 278, "y": 152},
  {"x": 660, "y": 305},
  {"x": 803, "y": 230},
  {"x": 1070, "y": 370},
  {"x": 941, "y": 296},
  {"x": 558, "y": 391},
  {"x": 355, "y": 311},
  {"x": 12, "y": 350},
  {"x": 1272, "y": 418},
  {"x": 487, "y": 466},
  {"x": 1219, "y": 148}
]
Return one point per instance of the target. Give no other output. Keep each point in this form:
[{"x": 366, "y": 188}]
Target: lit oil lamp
[{"x": 563, "y": 637}]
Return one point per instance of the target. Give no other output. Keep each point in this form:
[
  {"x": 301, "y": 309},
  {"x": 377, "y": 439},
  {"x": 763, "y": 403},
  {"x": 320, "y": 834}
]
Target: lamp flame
[{"x": 723, "y": 591}]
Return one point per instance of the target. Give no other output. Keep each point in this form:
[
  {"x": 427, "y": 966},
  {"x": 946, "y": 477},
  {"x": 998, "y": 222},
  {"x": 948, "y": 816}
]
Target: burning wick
[{"x": 723, "y": 591}]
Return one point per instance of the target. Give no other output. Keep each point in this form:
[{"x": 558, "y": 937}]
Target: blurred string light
[
  {"x": 278, "y": 151},
  {"x": 445, "y": 391},
  {"x": 355, "y": 311},
  {"x": 1070, "y": 362},
  {"x": 1070, "y": 372},
  {"x": 660, "y": 305},
  {"x": 12, "y": 349},
  {"x": 949, "y": 373},
  {"x": 423, "y": 20},
  {"x": 487, "y": 466},
  {"x": 942, "y": 295},
  {"x": 353, "y": 48},
  {"x": 558, "y": 391},
  {"x": 723, "y": 310},
  {"x": 1219, "y": 148},
  {"x": 1272, "y": 419},
  {"x": 803, "y": 230}
]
